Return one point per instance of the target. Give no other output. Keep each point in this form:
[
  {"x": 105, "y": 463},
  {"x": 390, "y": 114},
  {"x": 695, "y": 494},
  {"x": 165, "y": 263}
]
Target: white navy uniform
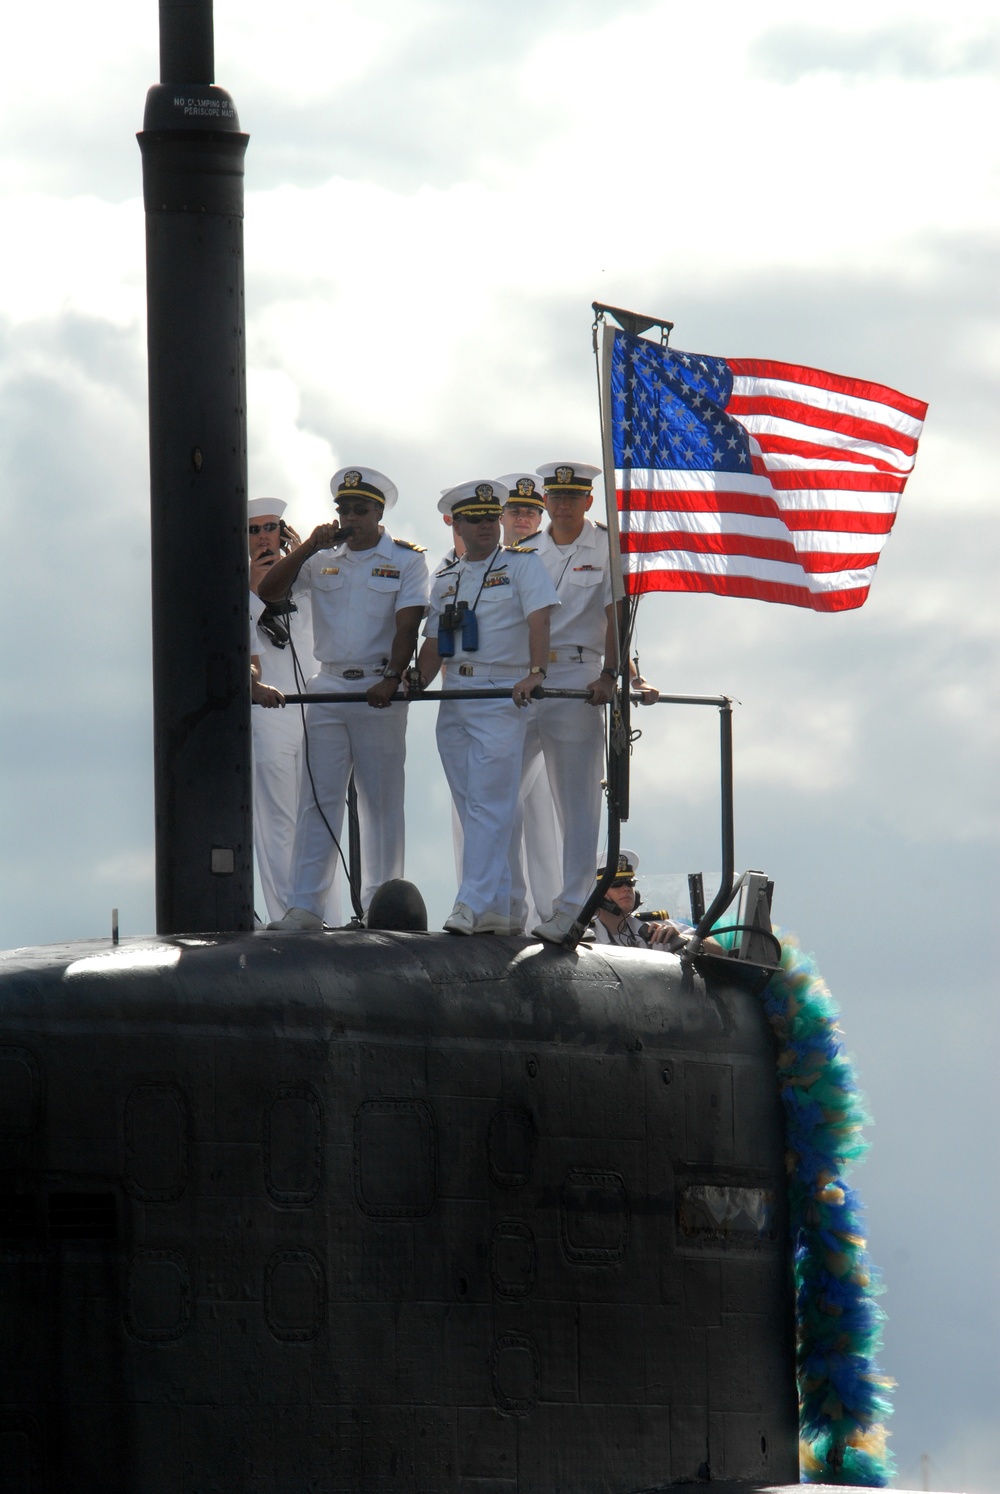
[
  {"x": 626, "y": 934},
  {"x": 570, "y": 733},
  {"x": 451, "y": 558},
  {"x": 480, "y": 741},
  {"x": 355, "y": 597},
  {"x": 277, "y": 756}
]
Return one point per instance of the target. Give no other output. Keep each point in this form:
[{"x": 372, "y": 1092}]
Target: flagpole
[{"x": 608, "y": 455}]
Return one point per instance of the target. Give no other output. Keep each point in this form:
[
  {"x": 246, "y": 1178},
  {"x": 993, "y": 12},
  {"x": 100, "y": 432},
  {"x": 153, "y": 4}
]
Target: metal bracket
[{"x": 635, "y": 322}]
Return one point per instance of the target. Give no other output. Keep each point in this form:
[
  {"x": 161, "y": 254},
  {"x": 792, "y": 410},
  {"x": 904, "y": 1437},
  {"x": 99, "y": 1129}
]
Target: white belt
[
  {"x": 487, "y": 671},
  {"x": 574, "y": 655},
  {"x": 352, "y": 671}
]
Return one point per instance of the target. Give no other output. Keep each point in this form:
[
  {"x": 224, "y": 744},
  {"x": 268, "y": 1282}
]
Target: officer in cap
[
  {"x": 281, "y": 659},
  {"x": 368, "y": 594},
  {"x": 569, "y": 734},
  {"x": 521, "y": 516},
  {"x": 536, "y": 845},
  {"x": 488, "y": 627},
  {"x": 614, "y": 922}
]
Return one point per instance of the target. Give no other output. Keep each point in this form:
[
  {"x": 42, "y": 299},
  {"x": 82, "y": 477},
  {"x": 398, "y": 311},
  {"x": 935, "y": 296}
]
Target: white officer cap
[
  {"x": 481, "y": 496},
  {"x": 628, "y": 865},
  {"x": 523, "y": 487},
  {"x": 258, "y": 507},
  {"x": 568, "y": 477},
  {"x": 364, "y": 482}
]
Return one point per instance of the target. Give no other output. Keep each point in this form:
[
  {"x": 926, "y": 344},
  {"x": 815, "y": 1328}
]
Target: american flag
[{"x": 750, "y": 478}]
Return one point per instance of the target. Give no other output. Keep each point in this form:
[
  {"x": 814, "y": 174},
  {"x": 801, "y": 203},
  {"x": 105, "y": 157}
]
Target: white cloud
[{"x": 436, "y": 192}]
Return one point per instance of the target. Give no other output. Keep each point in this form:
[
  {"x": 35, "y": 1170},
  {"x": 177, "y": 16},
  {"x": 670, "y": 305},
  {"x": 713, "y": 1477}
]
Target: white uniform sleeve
[
  {"x": 414, "y": 583},
  {"x": 303, "y": 581},
  {"x": 436, "y": 604},
  {"x": 536, "y": 585}
]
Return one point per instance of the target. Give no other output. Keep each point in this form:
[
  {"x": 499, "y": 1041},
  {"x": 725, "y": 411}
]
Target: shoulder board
[
  {"x": 520, "y": 549},
  {"x": 409, "y": 545},
  {"x": 599, "y": 525}
]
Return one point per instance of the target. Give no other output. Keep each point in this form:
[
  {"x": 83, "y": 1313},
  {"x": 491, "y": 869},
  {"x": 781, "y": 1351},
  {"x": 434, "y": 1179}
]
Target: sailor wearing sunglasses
[
  {"x": 488, "y": 628},
  {"x": 368, "y": 594}
]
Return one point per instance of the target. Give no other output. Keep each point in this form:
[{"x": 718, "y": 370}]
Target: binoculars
[{"x": 457, "y": 616}]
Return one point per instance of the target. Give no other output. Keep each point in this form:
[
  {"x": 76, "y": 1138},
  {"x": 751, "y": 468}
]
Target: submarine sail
[{"x": 367, "y": 1210}]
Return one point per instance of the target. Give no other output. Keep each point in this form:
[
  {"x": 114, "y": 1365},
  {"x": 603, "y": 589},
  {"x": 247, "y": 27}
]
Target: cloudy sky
[{"x": 436, "y": 192}]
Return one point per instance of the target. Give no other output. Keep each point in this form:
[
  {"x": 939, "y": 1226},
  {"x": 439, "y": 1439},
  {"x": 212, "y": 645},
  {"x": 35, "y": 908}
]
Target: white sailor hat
[
  {"x": 628, "y": 865},
  {"x": 525, "y": 488},
  {"x": 257, "y": 507},
  {"x": 568, "y": 477},
  {"x": 364, "y": 482},
  {"x": 480, "y": 498}
]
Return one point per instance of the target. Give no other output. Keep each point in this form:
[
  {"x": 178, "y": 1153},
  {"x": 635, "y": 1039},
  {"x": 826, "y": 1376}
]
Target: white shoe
[
  {"x": 298, "y": 920},
  {"x": 460, "y": 920},
  {"x": 492, "y": 923},
  {"x": 556, "y": 929}
]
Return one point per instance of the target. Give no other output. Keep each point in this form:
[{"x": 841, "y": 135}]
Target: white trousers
[
  {"x": 277, "y": 760},
  {"x": 372, "y": 744},
  {"x": 535, "y": 850},
  {"x": 569, "y": 737},
  {"x": 480, "y": 743}
]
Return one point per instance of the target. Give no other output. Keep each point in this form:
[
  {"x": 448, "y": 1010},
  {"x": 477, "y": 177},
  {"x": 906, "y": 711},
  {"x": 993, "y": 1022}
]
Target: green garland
[{"x": 843, "y": 1396}]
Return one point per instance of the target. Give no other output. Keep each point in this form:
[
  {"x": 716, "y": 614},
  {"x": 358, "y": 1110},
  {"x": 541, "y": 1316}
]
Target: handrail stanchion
[{"x": 724, "y": 895}]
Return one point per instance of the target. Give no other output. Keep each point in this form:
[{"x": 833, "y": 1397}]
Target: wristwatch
[
  {"x": 612, "y": 674},
  {"x": 537, "y": 669},
  {"x": 391, "y": 674}
]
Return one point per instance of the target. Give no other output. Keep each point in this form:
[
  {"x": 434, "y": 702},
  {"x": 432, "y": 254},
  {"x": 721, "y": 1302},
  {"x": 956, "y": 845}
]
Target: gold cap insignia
[
  {"x": 485, "y": 491},
  {"x": 564, "y": 474},
  {"x": 525, "y": 487},
  {"x": 351, "y": 479}
]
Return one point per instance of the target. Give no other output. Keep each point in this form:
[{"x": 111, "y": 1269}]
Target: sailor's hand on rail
[
  {"x": 380, "y": 695},
  {"x": 524, "y": 689},
  {"x": 647, "y": 693},
  {"x": 265, "y": 695},
  {"x": 601, "y": 690}
]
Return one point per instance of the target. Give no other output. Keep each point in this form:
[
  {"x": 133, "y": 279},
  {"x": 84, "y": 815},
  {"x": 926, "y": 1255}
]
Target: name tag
[
  {"x": 386, "y": 570},
  {"x": 498, "y": 578},
  {"x": 330, "y": 570}
]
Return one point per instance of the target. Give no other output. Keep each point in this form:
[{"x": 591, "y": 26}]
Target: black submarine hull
[{"x": 370, "y": 1211}]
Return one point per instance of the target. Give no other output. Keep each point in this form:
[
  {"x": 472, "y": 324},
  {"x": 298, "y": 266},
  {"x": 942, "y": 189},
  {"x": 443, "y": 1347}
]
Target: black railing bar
[{"x": 356, "y": 697}]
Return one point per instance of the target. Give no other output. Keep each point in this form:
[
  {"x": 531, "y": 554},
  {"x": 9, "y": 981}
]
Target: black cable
[{"x": 737, "y": 928}]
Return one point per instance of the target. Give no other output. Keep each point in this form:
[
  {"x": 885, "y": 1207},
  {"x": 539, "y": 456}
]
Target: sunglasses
[
  {"x": 478, "y": 518},
  {"x": 622, "y": 882},
  {"x": 357, "y": 509},
  {"x": 267, "y": 528}
]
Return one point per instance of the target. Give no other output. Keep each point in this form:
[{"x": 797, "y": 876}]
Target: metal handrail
[{"x": 722, "y": 703}]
